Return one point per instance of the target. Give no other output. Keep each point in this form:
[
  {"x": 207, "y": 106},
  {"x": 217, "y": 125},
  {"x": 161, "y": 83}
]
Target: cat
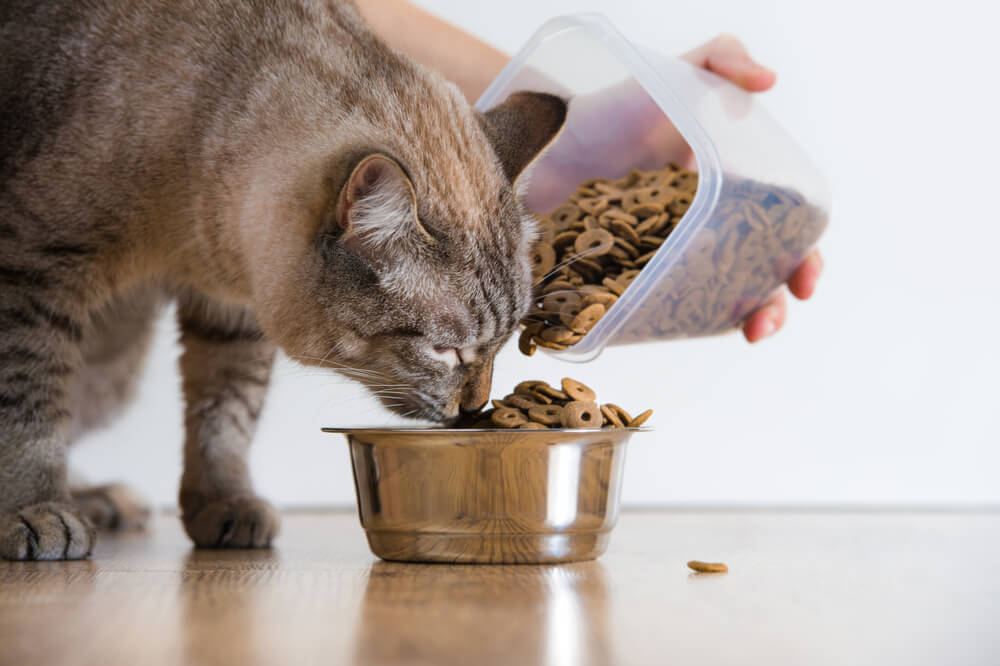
[{"x": 285, "y": 176}]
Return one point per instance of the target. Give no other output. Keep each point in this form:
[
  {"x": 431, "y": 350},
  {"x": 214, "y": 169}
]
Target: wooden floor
[{"x": 803, "y": 588}]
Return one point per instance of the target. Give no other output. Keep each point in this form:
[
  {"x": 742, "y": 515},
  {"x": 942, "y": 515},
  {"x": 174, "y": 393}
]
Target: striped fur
[{"x": 201, "y": 150}]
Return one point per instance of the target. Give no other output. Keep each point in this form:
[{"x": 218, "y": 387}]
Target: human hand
[{"x": 726, "y": 56}]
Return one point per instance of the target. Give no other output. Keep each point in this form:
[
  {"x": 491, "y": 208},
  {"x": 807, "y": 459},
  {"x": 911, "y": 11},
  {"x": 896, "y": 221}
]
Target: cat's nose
[
  {"x": 476, "y": 392},
  {"x": 467, "y": 355}
]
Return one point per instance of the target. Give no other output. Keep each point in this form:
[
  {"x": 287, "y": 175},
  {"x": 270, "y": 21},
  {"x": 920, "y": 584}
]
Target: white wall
[{"x": 882, "y": 390}]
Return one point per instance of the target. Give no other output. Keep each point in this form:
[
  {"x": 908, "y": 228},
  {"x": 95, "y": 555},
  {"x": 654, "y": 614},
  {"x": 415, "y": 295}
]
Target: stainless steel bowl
[{"x": 493, "y": 496}]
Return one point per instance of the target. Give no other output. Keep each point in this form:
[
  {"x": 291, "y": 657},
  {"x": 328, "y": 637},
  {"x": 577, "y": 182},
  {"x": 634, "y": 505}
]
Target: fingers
[
  {"x": 803, "y": 281},
  {"x": 771, "y": 316},
  {"x": 726, "y": 56},
  {"x": 767, "y": 320},
  {"x": 742, "y": 71}
]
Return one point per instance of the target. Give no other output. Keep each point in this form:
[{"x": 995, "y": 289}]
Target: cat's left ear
[
  {"x": 522, "y": 127},
  {"x": 377, "y": 206}
]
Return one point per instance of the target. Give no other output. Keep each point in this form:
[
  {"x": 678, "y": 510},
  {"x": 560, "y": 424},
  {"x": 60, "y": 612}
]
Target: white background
[{"x": 880, "y": 391}]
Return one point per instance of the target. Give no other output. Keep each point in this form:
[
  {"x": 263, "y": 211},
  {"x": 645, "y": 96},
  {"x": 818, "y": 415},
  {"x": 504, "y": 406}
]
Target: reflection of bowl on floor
[
  {"x": 555, "y": 614},
  {"x": 491, "y": 496}
]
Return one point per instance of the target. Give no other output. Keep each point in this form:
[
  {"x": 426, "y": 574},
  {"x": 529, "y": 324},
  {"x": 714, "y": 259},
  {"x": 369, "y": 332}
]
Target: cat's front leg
[
  {"x": 226, "y": 365},
  {"x": 39, "y": 352}
]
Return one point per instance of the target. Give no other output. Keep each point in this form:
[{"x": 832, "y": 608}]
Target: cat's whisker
[
  {"x": 382, "y": 386},
  {"x": 311, "y": 371},
  {"x": 560, "y": 266},
  {"x": 327, "y": 355},
  {"x": 326, "y": 363},
  {"x": 546, "y": 311},
  {"x": 363, "y": 379},
  {"x": 356, "y": 372},
  {"x": 388, "y": 390},
  {"x": 372, "y": 395},
  {"x": 562, "y": 291},
  {"x": 335, "y": 381}
]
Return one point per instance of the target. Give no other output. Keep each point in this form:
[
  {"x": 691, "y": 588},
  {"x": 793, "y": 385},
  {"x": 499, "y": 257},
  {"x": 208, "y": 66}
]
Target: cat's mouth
[{"x": 422, "y": 406}]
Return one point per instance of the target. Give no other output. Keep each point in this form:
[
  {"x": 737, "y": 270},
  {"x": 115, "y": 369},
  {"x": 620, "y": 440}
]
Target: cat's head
[{"x": 420, "y": 271}]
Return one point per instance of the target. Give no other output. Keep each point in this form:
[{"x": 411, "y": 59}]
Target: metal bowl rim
[{"x": 405, "y": 430}]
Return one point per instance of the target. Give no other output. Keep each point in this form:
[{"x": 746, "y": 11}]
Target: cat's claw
[
  {"x": 114, "y": 506},
  {"x": 237, "y": 522},
  {"x": 46, "y": 531}
]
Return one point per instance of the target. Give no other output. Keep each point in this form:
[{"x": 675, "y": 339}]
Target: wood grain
[{"x": 817, "y": 588}]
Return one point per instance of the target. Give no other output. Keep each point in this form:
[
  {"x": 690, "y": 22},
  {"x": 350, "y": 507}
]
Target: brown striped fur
[{"x": 214, "y": 151}]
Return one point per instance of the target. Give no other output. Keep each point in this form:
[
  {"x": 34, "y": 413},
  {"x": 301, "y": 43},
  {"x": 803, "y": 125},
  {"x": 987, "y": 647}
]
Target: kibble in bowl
[{"x": 535, "y": 403}]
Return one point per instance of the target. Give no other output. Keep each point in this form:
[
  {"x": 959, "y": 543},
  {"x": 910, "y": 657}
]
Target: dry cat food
[
  {"x": 594, "y": 245},
  {"x": 708, "y": 567},
  {"x": 536, "y": 405}
]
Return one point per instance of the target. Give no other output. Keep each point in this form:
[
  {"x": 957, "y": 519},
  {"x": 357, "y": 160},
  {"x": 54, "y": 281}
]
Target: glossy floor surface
[{"x": 803, "y": 588}]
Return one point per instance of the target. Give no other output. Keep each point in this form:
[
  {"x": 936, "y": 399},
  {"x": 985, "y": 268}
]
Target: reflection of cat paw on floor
[
  {"x": 45, "y": 531},
  {"x": 237, "y": 522},
  {"x": 113, "y": 506}
]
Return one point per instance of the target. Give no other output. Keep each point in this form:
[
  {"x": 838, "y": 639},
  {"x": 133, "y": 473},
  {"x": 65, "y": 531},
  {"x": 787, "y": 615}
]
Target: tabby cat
[{"x": 284, "y": 175}]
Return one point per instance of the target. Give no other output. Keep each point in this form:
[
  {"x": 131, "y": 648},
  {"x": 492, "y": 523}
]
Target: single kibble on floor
[
  {"x": 707, "y": 567},
  {"x": 596, "y": 242},
  {"x": 537, "y": 405}
]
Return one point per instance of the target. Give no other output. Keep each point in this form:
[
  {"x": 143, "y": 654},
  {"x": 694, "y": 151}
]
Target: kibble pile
[{"x": 537, "y": 405}]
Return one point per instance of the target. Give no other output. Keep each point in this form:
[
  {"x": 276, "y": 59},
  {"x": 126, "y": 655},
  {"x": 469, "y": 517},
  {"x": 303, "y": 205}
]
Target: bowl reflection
[{"x": 433, "y": 614}]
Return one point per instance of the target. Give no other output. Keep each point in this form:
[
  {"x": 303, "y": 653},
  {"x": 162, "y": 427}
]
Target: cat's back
[
  {"x": 126, "y": 124},
  {"x": 113, "y": 66}
]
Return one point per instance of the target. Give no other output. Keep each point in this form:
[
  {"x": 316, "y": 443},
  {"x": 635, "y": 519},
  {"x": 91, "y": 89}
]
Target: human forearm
[{"x": 467, "y": 61}]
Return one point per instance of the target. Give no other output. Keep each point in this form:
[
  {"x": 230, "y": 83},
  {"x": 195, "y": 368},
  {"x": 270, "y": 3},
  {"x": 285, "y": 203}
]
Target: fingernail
[
  {"x": 763, "y": 77},
  {"x": 769, "y": 327}
]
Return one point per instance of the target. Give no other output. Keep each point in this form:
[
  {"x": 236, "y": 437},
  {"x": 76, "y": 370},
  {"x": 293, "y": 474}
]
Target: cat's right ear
[
  {"x": 377, "y": 207},
  {"x": 522, "y": 127}
]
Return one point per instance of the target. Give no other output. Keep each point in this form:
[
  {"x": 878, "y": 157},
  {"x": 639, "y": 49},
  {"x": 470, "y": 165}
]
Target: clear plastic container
[{"x": 760, "y": 205}]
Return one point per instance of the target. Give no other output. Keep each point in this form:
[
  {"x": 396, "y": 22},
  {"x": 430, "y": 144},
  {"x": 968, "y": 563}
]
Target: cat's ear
[
  {"x": 522, "y": 127},
  {"x": 377, "y": 206}
]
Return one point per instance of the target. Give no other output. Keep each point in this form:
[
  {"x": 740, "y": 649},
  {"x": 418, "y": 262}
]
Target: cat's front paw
[
  {"x": 235, "y": 522},
  {"x": 46, "y": 531},
  {"x": 113, "y": 506}
]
